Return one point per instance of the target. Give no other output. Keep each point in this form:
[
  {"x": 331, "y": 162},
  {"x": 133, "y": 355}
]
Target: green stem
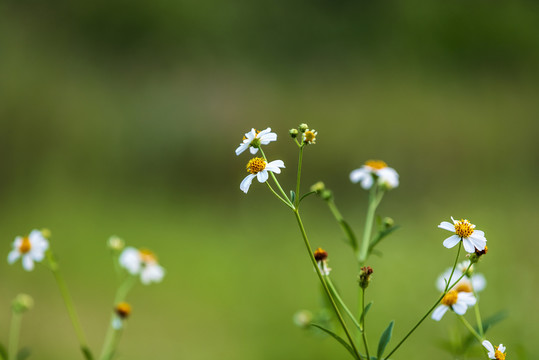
[
  {"x": 342, "y": 304},
  {"x": 14, "y": 332},
  {"x": 286, "y": 202},
  {"x": 273, "y": 176},
  {"x": 298, "y": 179},
  {"x": 325, "y": 285},
  {"x": 448, "y": 287},
  {"x": 109, "y": 345},
  {"x": 470, "y": 328},
  {"x": 374, "y": 200},
  {"x": 363, "y": 333},
  {"x": 478, "y": 316},
  {"x": 454, "y": 267},
  {"x": 342, "y": 223},
  {"x": 69, "y": 305}
]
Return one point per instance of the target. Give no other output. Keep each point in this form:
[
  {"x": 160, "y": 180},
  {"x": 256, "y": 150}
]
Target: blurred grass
[{"x": 122, "y": 119}]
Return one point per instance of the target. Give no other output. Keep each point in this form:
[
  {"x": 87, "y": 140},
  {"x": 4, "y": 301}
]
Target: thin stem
[
  {"x": 69, "y": 304},
  {"x": 342, "y": 223},
  {"x": 478, "y": 316},
  {"x": 273, "y": 176},
  {"x": 448, "y": 287},
  {"x": 343, "y": 305},
  {"x": 325, "y": 285},
  {"x": 470, "y": 328},
  {"x": 298, "y": 179},
  {"x": 369, "y": 222},
  {"x": 454, "y": 266},
  {"x": 109, "y": 345},
  {"x": 14, "y": 332},
  {"x": 286, "y": 202},
  {"x": 363, "y": 333}
]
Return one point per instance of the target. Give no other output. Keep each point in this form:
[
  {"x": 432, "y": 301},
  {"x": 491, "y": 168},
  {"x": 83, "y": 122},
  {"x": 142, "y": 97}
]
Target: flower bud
[
  {"x": 388, "y": 222},
  {"x": 115, "y": 243},
  {"x": 303, "y": 318},
  {"x": 22, "y": 303},
  {"x": 364, "y": 276},
  {"x": 474, "y": 257},
  {"x": 320, "y": 189},
  {"x": 46, "y": 233},
  {"x": 303, "y": 127},
  {"x": 293, "y": 133}
]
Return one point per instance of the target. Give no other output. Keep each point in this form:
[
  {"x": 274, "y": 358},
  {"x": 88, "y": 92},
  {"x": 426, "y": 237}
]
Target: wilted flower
[
  {"x": 375, "y": 170},
  {"x": 258, "y": 167},
  {"x": 464, "y": 230},
  {"x": 457, "y": 301},
  {"x": 321, "y": 256},
  {"x": 31, "y": 248},
  {"x": 494, "y": 352},
  {"x": 143, "y": 262},
  {"x": 122, "y": 312},
  {"x": 253, "y": 139}
]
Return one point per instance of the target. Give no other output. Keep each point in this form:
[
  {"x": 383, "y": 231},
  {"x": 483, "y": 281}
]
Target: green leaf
[
  {"x": 87, "y": 353},
  {"x": 384, "y": 339},
  {"x": 364, "y": 313},
  {"x": 349, "y": 233},
  {"x": 305, "y": 195},
  {"x": 23, "y": 354},
  {"x": 292, "y": 196},
  {"x": 3, "y": 352},
  {"x": 487, "y": 323},
  {"x": 381, "y": 235},
  {"x": 336, "y": 337}
]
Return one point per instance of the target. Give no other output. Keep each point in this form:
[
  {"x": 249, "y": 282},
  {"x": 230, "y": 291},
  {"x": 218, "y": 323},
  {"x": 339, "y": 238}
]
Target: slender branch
[
  {"x": 470, "y": 328},
  {"x": 374, "y": 200},
  {"x": 14, "y": 333},
  {"x": 273, "y": 175},
  {"x": 363, "y": 333},
  {"x": 343, "y": 305},
  {"x": 478, "y": 316},
  {"x": 286, "y": 202},
  {"x": 298, "y": 179}
]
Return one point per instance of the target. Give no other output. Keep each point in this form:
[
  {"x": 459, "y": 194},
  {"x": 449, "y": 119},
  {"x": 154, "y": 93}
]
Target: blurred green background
[{"x": 122, "y": 118}]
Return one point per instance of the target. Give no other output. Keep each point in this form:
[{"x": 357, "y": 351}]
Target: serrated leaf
[
  {"x": 384, "y": 339},
  {"x": 338, "y": 338},
  {"x": 364, "y": 313}
]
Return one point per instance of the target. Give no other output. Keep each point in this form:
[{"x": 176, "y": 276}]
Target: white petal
[
  {"x": 388, "y": 177},
  {"x": 479, "y": 232},
  {"x": 130, "y": 260},
  {"x": 467, "y": 298},
  {"x": 241, "y": 148},
  {"x": 266, "y": 138},
  {"x": 439, "y": 312},
  {"x": 501, "y": 348},
  {"x": 37, "y": 254},
  {"x": 253, "y": 150},
  {"x": 116, "y": 323},
  {"x": 250, "y": 135},
  {"x": 451, "y": 241},
  {"x": 358, "y": 174},
  {"x": 246, "y": 183},
  {"x": 488, "y": 346},
  {"x": 13, "y": 256},
  {"x": 27, "y": 263},
  {"x": 367, "y": 182},
  {"x": 459, "y": 307},
  {"x": 447, "y": 226},
  {"x": 17, "y": 242},
  {"x": 468, "y": 246},
  {"x": 454, "y": 221},
  {"x": 152, "y": 273},
  {"x": 262, "y": 176},
  {"x": 275, "y": 165}
]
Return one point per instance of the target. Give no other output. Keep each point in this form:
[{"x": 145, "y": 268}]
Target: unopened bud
[
  {"x": 303, "y": 318},
  {"x": 22, "y": 303},
  {"x": 474, "y": 257},
  {"x": 364, "y": 276},
  {"x": 388, "y": 222},
  {"x": 115, "y": 243},
  {"x": 46, "y": 233},
  {"x": 303, "y": 127},
  {"x": 320, "y": 189},
  {"x": 293, "y": 133}
]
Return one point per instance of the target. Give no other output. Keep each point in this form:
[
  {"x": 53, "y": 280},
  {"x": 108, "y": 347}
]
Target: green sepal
[{"x": 384, "y": 339}]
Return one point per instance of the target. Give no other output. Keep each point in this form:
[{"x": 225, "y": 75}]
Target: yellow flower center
[
  {"x": 309, "y": 136},
  {"x": 25, "y": 245},
  {"x": 450, "y": 298},
  {"x": 147, "y": 256},
  {"x": 463, "y": 228},
  {"x": 256, "y": 135},
  {"x": 376, "y": 164},
  {"x": 256, "y": 165},
  {"x": 498, "y": 354},
  {"x": 464, "y": 287}
]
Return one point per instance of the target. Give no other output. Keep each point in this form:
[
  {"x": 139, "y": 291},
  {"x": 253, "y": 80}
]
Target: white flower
[
  {"x": 31, "y": 248},
  {"x": 470, "y": 283},
  {"x": 142, "y": 262},
  {"x": 494, "y": 352},
  {"x": 457, "y": 301},
  {"x": 464, "y": 230},
  {"x": 254, "y": 139},
  {"x": 375, "y": 170},
  {"x": 309, "y": 136},
  {"x": 259, "y": 168}
]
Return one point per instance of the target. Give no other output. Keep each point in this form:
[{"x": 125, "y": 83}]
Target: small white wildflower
[
  {"x": 469, "y": 283},
  {"x": 253, "y": 139},
  {"x": 495, "y": 352},
  {"x": 143, "y": 262},
  {"x": 456, "y": 301},
  {"x": 258, "y": 167},
  {"x": 31, "y": 248},
  {"x": 464, "y": 230},
  {"x": 375, "y": 170},
  {"x": 309, "y": 136}
]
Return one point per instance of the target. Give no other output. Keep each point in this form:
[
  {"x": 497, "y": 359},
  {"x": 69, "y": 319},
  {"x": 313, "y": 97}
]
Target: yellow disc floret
[
  {"x": 450, "y": 298},
  {"x": 464, "y": 228},
  {"x": 464, "y": 287},
  {"x": 25, "y": 245},
  {"x": 376, "y": 164},
  {"x": 256, "y": 165},
  {"x": 498, "y": 354},
  {"x": 309, "y": 136},
  {"x": 147, "y": 256}
]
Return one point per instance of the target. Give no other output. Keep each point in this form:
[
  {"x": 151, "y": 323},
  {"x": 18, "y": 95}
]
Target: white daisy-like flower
[
  {"x": 258, "y": 167},
  {"x": 253, "y": 139},
  {"x": 456, "y": 301},
  {"x": 494, "y": 352},
  {"x": 468, "y": 283},
  {"x": 143, "y": 262},
  {"x": 375, "y": 170},
  {"x": 464, "y": 230},
  {"x": 31, "y": 248},
  {"x": 309, "y": 136}
]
